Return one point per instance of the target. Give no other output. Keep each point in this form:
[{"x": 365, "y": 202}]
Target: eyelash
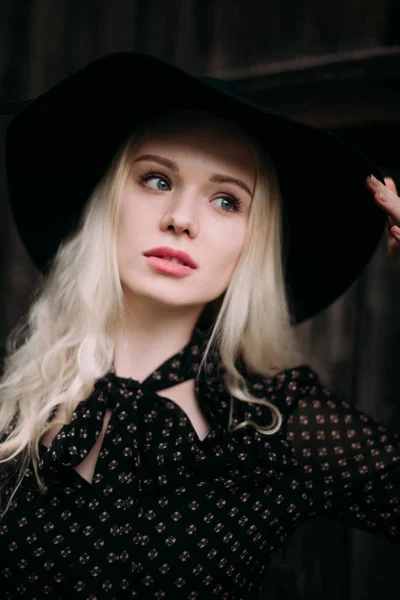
[{"x": 237, "y": 204}]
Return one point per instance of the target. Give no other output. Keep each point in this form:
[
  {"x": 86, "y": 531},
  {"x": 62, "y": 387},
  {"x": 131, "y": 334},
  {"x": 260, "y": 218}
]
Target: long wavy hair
[{"x": 65, "y": 342}]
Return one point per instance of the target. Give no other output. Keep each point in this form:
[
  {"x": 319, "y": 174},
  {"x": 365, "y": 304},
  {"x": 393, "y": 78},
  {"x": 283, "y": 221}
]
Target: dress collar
[{"x": 180, "y": 367}]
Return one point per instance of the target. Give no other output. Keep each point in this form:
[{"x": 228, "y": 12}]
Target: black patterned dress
[{"x": 168, "y": 515}]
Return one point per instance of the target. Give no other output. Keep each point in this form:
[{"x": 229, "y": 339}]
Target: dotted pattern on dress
[{"x": 168, "y": 515}]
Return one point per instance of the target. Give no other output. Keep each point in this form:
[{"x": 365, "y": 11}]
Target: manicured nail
[{"x": 383, "y": 197}]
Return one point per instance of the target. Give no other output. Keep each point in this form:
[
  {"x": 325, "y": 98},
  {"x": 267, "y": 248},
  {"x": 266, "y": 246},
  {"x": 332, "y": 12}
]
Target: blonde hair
[{"x": 65, "y": 342}]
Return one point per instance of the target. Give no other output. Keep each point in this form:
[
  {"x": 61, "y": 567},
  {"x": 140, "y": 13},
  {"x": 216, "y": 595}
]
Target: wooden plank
[{"x": 249, "y": 33}]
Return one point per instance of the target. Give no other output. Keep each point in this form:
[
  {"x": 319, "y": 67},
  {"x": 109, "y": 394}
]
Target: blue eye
[
  {"x": 234, "y": 203},
  {"x": 159, "y": 188},
  {"x": 163, "y": 185}
]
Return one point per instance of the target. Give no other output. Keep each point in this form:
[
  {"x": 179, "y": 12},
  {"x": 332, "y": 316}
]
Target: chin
[{"x": 155, "y": 294}]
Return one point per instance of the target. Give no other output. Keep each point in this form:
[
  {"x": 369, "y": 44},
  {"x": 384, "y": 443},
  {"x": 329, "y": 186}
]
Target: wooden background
[{"x": 330, "y": 63}]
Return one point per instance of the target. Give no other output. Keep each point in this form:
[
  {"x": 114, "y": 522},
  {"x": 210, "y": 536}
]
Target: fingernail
[
  {"x": 383, "y": 197},
  {"x": 373, "y": 179}
]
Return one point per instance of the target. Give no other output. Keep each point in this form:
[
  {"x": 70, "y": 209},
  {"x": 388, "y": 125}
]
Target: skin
[
  {"x": 184, "y": 211},
  {"x": 392, "y": 208}
]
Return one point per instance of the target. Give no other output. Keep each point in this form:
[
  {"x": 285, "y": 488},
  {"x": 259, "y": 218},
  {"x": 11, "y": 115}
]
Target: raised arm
[{"x": 355, "y": 460}]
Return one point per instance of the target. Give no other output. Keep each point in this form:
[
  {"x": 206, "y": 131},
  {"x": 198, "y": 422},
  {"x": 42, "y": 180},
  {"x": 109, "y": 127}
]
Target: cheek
[
  {"x": 226, "y": 258},
  {"x": 131, "y": 224},
  {"x": 127, "y": 240}
]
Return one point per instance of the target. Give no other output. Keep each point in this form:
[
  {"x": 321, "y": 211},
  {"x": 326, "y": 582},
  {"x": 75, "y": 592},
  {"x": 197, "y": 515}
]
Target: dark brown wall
[{"x": 332, "y": 64}]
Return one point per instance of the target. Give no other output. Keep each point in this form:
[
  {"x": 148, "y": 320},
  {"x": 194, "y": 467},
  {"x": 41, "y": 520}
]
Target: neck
[{"x": 147, "y": 338}]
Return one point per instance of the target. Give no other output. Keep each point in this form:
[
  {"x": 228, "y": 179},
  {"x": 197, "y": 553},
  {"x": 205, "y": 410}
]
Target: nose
[{"x": 181, "y": 217}]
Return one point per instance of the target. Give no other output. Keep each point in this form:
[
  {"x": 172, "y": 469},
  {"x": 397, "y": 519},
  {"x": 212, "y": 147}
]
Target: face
[{"x": 181, "y": 193}]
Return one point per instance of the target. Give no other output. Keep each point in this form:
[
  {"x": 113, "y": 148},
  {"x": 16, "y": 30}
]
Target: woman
[{"x": 161, "y": 437}]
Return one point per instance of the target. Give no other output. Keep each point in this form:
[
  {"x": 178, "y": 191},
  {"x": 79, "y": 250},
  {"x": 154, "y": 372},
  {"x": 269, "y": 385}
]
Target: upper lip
[{"x": 173, "y": 253}]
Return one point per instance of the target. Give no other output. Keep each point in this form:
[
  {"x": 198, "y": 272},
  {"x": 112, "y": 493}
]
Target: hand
[{"x": 392, "y": 207}]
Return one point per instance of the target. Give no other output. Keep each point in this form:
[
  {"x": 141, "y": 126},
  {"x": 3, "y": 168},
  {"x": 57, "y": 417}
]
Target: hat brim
[{"x": 62, "y": 143}]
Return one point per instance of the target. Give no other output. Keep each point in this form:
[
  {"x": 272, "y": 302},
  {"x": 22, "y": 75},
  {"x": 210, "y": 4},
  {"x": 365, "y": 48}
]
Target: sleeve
[{"x": 353, "y": 460}]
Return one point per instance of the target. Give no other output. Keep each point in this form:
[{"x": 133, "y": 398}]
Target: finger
[
  {"x": 390, "y": 222},
  {"x": 395, "y": 232},
  {"x": 393, "y": 243},
  {"x": 386, "y": 198},
  {"x": 391, "y": 184}
]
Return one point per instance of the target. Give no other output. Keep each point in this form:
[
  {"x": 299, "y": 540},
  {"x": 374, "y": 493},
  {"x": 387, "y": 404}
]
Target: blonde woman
[{"x": 160, "y": 434}]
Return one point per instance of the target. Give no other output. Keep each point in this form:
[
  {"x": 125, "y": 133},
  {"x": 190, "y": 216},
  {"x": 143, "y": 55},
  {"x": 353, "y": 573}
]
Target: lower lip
[{"x": 168, "y": 267}]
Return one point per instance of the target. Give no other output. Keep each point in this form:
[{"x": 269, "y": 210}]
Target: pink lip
[
  {"x": 172, "y": 253},
  {"x": 165, "y": 266}
]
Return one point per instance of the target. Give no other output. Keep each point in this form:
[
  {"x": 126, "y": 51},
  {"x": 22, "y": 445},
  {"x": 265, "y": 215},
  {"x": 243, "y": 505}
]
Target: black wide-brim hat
[{"x": 60, "y": 145}]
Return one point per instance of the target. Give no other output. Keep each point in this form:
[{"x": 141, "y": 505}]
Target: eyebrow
[{"x": 216, "y": 177}]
